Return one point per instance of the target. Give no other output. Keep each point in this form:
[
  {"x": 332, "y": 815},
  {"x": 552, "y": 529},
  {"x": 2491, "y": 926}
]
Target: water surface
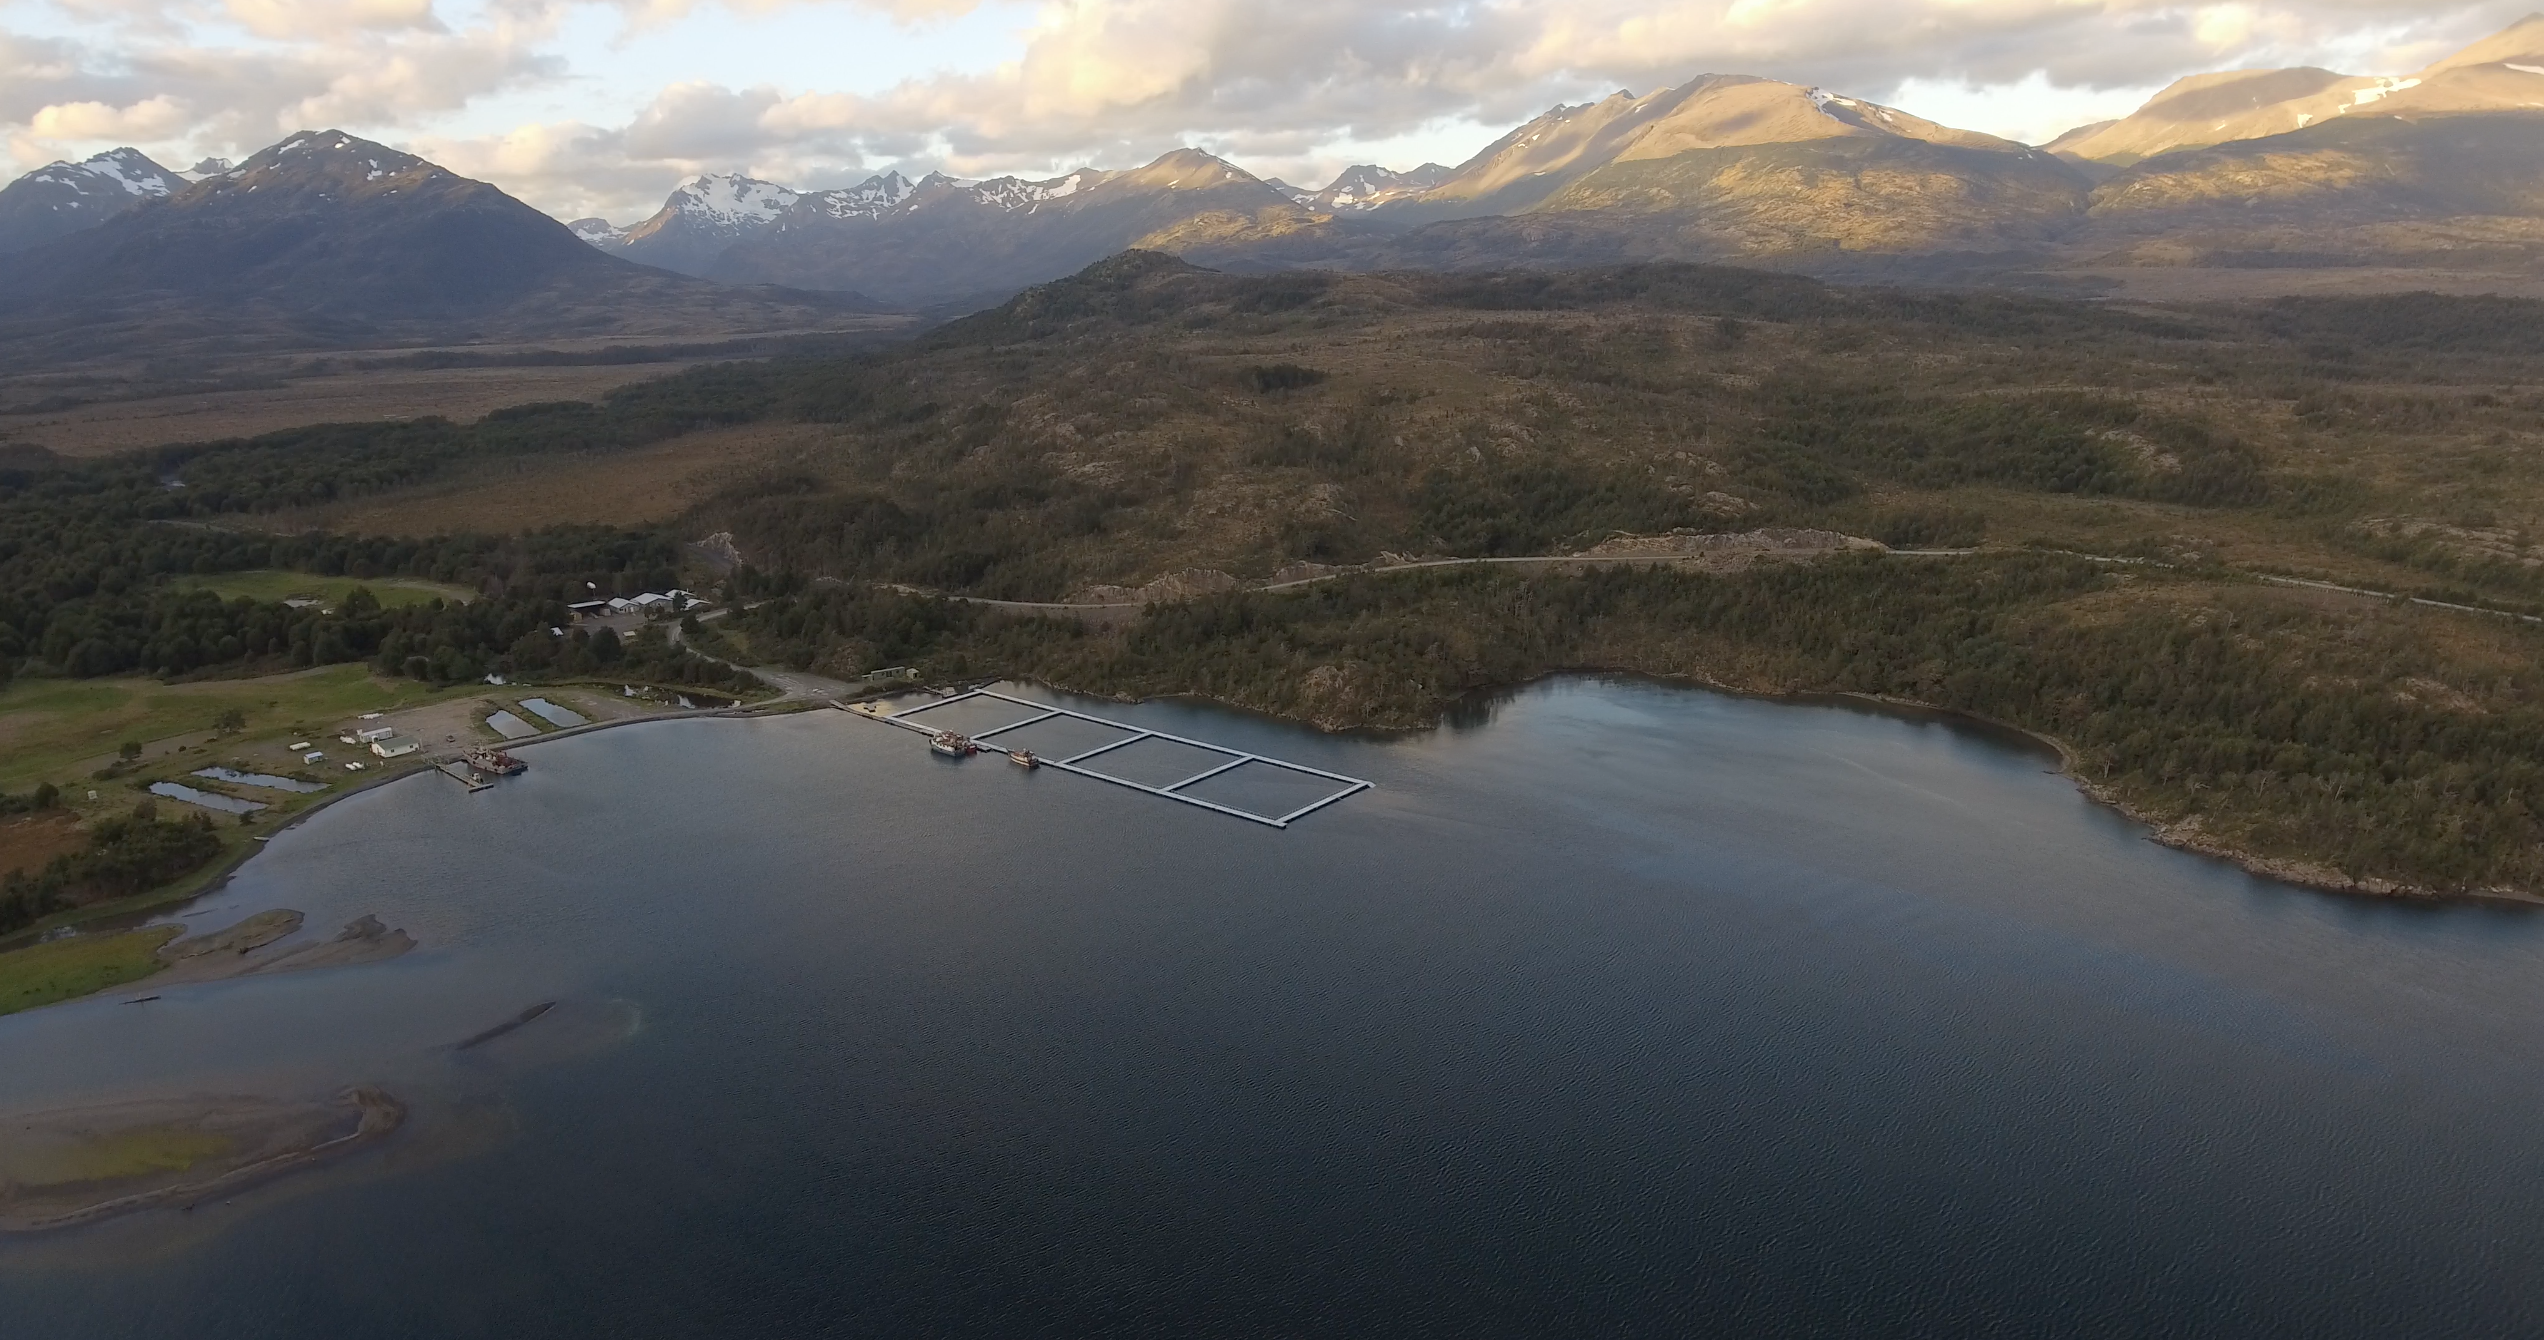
[{"x": 1619, "y": 1010}]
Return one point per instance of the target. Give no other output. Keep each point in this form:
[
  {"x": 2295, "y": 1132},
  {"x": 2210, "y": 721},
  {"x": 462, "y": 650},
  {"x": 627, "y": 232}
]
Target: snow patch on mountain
[
  {"x": 599, "y": 232},
  {"x": 1016, "y": 195},
  {"x": 124, "y": 170},
  {"x": 1367, "y": 186},
  {"x": 2380, "y": 90},
  {"x": 732, "y": 201},
  {"x": 867, "y": 199}
]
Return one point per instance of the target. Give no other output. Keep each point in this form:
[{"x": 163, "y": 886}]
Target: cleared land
[
  {"x": 268, "y": 584},
  {"x": 631, "y": 488},
  {"x": 464, "y": 394},
  {"x": 61, "y": 730}
]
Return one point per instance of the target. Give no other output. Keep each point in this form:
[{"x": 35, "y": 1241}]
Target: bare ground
[
  {"x": 636, "y": 487},
  {"x": 26, "y": 843}
]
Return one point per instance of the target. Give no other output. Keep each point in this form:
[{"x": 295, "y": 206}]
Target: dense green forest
[{"x": 90, "y": 557}]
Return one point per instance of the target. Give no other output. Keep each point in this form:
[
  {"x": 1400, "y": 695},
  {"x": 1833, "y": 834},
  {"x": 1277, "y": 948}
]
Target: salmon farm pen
[{"x": 1227, "y": 760}]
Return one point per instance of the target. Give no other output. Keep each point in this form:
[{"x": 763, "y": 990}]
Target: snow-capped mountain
[
  {"x": 59, "y": 199},
  {"x": 700, "y": 219},
  {"x": 866, "y": 199},
  {"x": 1367, "y": 186},
  {"x": 944, "y": 239},
  {"x": 599, "y": 232},
  {"x": 325, "y": 239}
]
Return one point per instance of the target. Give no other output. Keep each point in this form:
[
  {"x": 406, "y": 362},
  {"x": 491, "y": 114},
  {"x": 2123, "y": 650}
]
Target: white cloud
[
  {"x": 151, "y": 119},
  {"x": 1295, "y": 86}
]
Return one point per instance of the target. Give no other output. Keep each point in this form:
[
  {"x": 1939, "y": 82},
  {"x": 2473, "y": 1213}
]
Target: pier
[{"x": 1228, "y": 761}]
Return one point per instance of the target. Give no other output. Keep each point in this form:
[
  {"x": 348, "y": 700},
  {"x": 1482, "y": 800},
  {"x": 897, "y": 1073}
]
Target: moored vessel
[
  {"x": 495, "y": 761},
  {"x": 952, "y": 744}
]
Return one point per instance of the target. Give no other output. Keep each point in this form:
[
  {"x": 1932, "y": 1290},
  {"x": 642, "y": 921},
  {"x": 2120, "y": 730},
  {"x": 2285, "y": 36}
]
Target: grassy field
[
  {"x": 67, "y": 969},
  {"x": 50, "y": 728},
  {"x": 272, "y": 585}
]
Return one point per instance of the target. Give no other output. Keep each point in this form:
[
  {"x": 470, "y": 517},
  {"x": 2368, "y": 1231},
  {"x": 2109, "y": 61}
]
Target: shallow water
[
  {"x": 259, "y": 779},
  {"x": 1622, "y": 1010}
]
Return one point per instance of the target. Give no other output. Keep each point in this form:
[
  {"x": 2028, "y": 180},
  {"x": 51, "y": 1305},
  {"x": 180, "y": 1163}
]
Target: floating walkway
[{"x": 1234, "y": 758}]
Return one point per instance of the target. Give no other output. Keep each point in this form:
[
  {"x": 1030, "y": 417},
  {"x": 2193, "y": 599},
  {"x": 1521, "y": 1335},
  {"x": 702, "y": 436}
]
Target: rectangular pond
[
  {"x": 210, "y": 800},
  {"x": 553, "y": 714},
  {"x": 511, "y": 727},
  {"x": 265, "y": 781}
]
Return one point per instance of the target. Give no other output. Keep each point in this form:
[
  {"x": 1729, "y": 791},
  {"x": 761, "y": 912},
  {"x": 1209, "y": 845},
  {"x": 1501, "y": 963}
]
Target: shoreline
[
  {"x": 138, "y": 910},
  {"x": 2186, "y": 835}
]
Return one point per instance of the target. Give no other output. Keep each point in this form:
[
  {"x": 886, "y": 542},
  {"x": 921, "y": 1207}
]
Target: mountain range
[
  {"x": 325, "y": 232},
  {"x": 2253, "y": 168},
  {"x": 326, "y": 240}
]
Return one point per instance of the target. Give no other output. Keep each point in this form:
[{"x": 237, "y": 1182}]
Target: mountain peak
[
  {"x": 730, "y": 199},
  {"x": 328, "y": 163},
  {"x": 2520, "y": 41},
  {"x": 61, "y": 198},
  {"x": 1187, "y": 169},
  {"x": 866, "y": 199}
]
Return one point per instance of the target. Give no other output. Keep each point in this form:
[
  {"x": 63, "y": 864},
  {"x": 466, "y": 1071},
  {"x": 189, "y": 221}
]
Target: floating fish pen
[{"x": 1226, "y": 760}]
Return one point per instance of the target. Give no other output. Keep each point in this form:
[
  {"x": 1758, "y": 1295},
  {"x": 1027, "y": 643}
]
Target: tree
[
  {"x": 128, "y": 750},
  {"x": 230, "y": 722}
]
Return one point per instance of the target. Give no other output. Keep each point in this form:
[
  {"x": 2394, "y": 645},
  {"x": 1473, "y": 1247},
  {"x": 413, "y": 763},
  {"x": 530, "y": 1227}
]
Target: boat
[
  {"x": 495, "y": 761},
  {"x": 952, "y": 745},
  {"x": 1023, "y": 758}
]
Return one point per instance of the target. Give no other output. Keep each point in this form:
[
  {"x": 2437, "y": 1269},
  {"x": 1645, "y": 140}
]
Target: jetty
[{"x": 1228, "y": 760}]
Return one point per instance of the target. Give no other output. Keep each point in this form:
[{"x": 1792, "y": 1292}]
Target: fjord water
[{"x": 1616, "y": 1009}]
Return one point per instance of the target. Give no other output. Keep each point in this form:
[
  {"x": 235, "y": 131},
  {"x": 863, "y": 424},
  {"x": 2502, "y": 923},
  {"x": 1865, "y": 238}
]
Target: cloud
[
  {"x": 371, "y": 64},
  {"x": 1116, "y": 75},
  {"x": 290, "y": 20},
  {"x": 1289, "y": 85},
  {"x": 151, "y": 119}
]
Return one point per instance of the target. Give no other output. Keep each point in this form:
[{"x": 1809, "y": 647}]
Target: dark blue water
[{"x": 1629, "y": 1010}]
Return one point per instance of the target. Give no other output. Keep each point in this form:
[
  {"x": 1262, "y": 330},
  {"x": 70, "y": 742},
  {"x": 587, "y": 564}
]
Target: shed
[{"x": 395, "y": 746}]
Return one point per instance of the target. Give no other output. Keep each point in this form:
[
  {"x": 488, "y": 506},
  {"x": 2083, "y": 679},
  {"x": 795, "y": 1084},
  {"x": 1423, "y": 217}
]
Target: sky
[{"x": 585, "y": 107}]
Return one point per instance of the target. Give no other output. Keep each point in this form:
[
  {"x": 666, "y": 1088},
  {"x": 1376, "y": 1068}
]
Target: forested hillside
[{"x": 1146, "y": 418}]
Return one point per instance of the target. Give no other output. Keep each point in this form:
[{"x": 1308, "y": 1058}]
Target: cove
[{"x": 1616, "y": 1008}]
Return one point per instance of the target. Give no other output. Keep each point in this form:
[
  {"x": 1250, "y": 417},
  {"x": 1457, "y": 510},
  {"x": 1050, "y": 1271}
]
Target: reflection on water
[
  {"x": 206, "y": 799},
  {"x": 1625, "y": 1008}
]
